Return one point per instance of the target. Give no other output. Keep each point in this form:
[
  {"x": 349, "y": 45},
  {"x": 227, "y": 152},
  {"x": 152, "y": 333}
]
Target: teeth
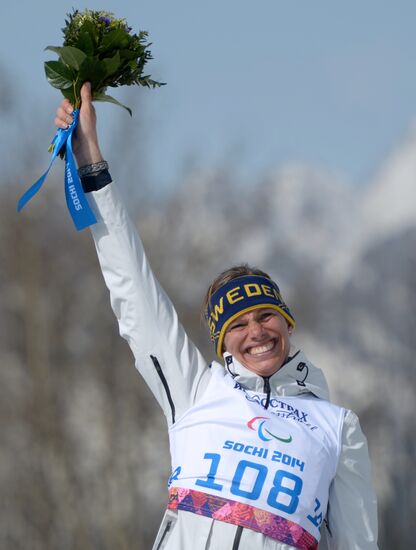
[{"x": 261, "y": 349}]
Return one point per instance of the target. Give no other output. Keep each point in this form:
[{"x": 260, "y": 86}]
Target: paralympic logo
[{"x": 263, "y": 432}]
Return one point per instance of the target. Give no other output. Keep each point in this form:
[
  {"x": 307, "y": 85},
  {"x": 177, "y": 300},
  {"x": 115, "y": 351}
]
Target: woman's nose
[{"x": 255, "y": 329}]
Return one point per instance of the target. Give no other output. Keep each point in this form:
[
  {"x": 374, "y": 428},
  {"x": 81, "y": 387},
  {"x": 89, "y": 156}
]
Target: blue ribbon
[{"x": 77, "y": 203}]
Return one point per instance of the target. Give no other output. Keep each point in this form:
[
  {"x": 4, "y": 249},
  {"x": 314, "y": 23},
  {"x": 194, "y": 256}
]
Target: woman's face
[{"x": 259, "y": 340}]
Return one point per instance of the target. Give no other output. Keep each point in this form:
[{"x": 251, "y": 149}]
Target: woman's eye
[
  {"x": 266, "y": 316},
  {"x": 234, "y": 327}
]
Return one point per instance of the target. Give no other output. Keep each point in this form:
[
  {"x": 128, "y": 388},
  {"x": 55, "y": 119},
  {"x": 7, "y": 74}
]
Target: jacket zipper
[
  {"x": 165, "y": 385},
  {"x": 237, "y": 537},
  {"x": 266, "y": 390},
  {"x": 165, "y": 532}
]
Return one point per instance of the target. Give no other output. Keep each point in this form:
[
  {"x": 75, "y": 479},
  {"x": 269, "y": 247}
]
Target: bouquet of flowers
[{"x": 101, "y": 49}]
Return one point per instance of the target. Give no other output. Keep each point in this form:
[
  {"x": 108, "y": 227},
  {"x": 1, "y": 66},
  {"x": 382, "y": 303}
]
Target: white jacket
[{"x": 177, "y": 374}]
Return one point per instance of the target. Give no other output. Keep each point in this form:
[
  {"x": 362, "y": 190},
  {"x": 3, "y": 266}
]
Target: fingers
[
  {"x": 86, "y": 93},
  {"x": 87, "y": 118},
  {"x": 85, "y": 139},
  {"x": 87, "y": 112},
  {"x": 64, "y": 114}
]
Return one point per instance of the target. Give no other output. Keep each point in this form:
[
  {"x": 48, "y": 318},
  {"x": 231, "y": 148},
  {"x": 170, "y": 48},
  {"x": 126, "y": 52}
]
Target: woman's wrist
[{"x": 89, "y": 154}]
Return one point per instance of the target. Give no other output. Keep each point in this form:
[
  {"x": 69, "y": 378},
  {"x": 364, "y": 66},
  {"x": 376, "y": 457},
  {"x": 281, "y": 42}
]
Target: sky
[{"x": 256, "y": 84}]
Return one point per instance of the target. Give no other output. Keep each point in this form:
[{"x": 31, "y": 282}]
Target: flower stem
[{"x": 77, "y": 99}]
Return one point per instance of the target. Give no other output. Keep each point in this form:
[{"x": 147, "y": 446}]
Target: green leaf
[
  {"x": 86, "y": 43},
  {"x": 58, "y": 75},
  {"x": 69, "y": 94},
  {"x": 109, "y": 99},
  {"x": 91, "y": 29},
  {"x": 55, "y": 49},
  {"x": 127, "y": 54},
  {"x": 114, "y": 40},
  {"x": 112, "y": 64},
  {"x": 149, "y": 83},
  {"x": 94, "y": 70},
  {"x": 73, "y": 57}
]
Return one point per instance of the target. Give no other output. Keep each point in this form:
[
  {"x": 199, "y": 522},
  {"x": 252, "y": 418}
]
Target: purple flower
[
  {"x": 105, "y": 20},
  {"x": 127, "y": 28}
]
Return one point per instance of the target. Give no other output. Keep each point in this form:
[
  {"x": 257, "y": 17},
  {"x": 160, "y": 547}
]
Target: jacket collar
[{"x": 297, "y": 376}]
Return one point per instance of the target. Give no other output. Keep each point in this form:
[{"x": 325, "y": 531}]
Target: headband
[{"x": 238, "y": 296}]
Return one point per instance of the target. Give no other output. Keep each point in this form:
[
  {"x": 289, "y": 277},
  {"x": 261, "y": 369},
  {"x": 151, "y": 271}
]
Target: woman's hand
[{"x": 85, "y": 139}]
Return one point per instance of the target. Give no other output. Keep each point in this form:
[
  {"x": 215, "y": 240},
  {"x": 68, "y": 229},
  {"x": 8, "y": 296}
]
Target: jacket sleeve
[
  {"x": 168, "y": 361},
  {"x": 352, "y": 511}
]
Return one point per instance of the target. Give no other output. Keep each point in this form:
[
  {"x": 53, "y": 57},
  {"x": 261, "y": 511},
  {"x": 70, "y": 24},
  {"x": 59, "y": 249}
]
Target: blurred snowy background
[{"x": 286, "y": 138}]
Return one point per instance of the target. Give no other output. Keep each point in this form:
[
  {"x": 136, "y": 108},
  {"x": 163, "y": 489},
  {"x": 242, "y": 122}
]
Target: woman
[{"x": 260, "y": 457}]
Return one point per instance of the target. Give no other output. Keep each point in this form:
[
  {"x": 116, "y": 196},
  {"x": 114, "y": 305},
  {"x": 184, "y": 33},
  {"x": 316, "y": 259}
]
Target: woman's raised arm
[{"x": 169, "y": 362}]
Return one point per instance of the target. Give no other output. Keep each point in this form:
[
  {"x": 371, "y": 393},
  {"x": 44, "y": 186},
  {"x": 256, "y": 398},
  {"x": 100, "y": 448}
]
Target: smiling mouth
[{"x": 258, "y": 350}]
